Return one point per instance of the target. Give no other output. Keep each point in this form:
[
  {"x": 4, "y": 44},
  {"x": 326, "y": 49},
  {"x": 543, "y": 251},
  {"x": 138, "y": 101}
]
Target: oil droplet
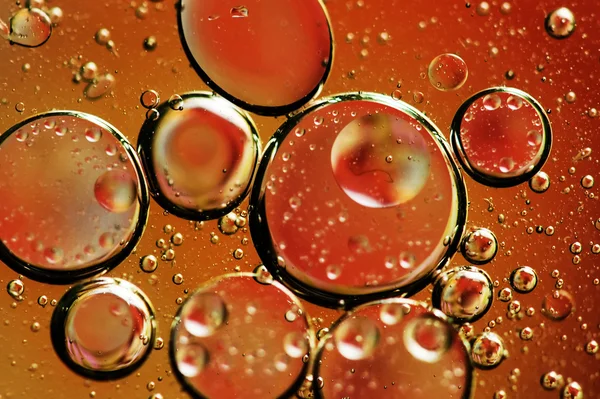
[
  {"x": 523, "y": 279},
  {"x": 551, "y": 380},
  {"x": 487, "y": 350},
  {"x": 447, "y": 72},
  {"x": 102, "y": 36},
  {"x": 115, "y": 191},
  {"x": 479, "y": 246},
  {"x": 191, "y": 359},
  {"x": 100, "y": 86},
  {"x": 15, "y": 288},
  {"x": 204, "y": 314},
  {"x": 463, "y": 293},
  {"x": 427, "y": 338},
  {"x": 558, "y": 305},
  {"x": 356, "y": 338},
  {"x": 587, "y": 182},
  {"x": 572, "y": 391},
  {"x": 540, "y": 182},
  {"x": 88, "y": 71},
  {"x": 391, "y": 313},
  {"x": 560, "y": 23},
  {"x": 30, "y": 27},
  {"x": 150, "y": 99}
]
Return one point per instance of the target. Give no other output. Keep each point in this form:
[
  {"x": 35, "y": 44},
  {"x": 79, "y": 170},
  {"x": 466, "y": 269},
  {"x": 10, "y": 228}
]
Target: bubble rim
[
  {"x": 436, "y": 295},
  {"x": 60, "y": 316},
  {"x": 258, "y": 220},
  {"x": 463, "y": 250},
  {"x": 492, "y": 181},
  {"x": 262, "y": 110},
  {"x": 316, "y": 362},
  {"x": 62, "y": 277},
  {"x": 145, "y": 143},
  {"x": 205, "y": 287}
]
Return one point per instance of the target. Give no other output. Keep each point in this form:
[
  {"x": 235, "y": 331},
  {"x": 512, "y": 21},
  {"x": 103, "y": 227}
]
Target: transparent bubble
[
  {"x": 71, "y": 208},
  {"x": 560, "y": 23},
  {"x": 356, "y": 338},
  {"x": 487, "y": 350},
  {"x": 402, "y": 216},
  {"x": 463, "y": 293},
  {"x": 230, "y": 339},
  {"x": 372, "y": 168},
  {"x": 103, "y": 328},
  {"x": 448, "y": 72},
  {"x": 479, "y": 245},
  {"x": 282, "y": 67},
  {"x": 523, "y": 279},
  {"x": 540, "y": 182},
  {"x": 30, "y": 27},
  {"x": 501, "y": 136},
  {"x": 558, "y": 305},
  {"x": 419, "y": 355},
  {"x": 201, "y": 159}
]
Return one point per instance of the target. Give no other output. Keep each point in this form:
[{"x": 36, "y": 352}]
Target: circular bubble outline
[
  {"x": 438, "y": 289},
  {"x": 60, "y": 316},
  {"x": 492, "y": 181},
  {"x": 262, "y": 110},
  {"x": 205, "y": 287},
  {"x": 463, "y": 250},
  {"x": 259, "y": 229},
  {"x": 317, "y": 360},
  {"x": 145, "y": 142},
  {"x": 61, "y": 277}
]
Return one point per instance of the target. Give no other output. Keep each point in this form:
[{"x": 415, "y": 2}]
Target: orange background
[{"x": 448, "y": 26}]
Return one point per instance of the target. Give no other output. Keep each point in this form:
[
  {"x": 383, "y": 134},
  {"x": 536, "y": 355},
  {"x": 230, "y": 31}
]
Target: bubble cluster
[
  {"x": 393, "y": 199},
  {"x": 282, "y": 67},
  {"x": 501, "y": 136},
  {"x": 393, "y": 349},
  {"x": 447, "y": 72},
  {"x": 463, "y": 293},
  {"x": 74, "y": 200},
  {"x": 103, "y": 328},
  {"x": 234, "y": 337},
  {"x": 479, "y": 245},
  {"x": 200, "y": 160}
]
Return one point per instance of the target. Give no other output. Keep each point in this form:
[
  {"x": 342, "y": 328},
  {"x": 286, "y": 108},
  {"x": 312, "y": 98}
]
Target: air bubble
[
  {"x": 200, "y": 160},
  {"x": 221, "y": 348},
  {"x": 397, "y": 345},
  {"x": 87, "y": 215},
  {"x": 447, "y": 72},
  {"x": 262, "y": 75},
  {"x": 501, "y": 136},
  {"x": 101, "y": 328},
  {"x": 377, "y": 207}
]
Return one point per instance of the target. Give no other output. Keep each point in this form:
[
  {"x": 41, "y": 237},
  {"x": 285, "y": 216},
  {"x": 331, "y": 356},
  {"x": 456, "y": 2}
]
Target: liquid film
[
  {"x": 241, "y": 336},
  {"x": 396, "y": 348},
  {"x": 200, "y": 155},
  {"x": 356, "y": 180},
  {"x": 268, "y": 56},
  {"x": 73, "y": 200},
  {"x": 103, "y": 328}
]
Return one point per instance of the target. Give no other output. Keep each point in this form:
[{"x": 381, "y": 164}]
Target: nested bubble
[
  {"x": 447, "y": 72},
  {"x": 464, "y": 293},
  {"x": 275, "y": 69},
  {"x": 356, "y": 180},
  {"x": 420, "y": 355},
  {"x": 479, "y": 245},
  {"x": 501, "y": 136},
  {"x": 104, "y": 328},
  {"x": 200, "y": 157},
  {"x": 236, "y": 337},
  {"x": 74, "y": 198}
]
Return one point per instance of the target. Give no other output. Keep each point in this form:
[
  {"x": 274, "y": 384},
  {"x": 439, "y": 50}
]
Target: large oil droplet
[
  {"x": 356, "y": 338},
  {"x": 487, "y": 350},
  {"x": 232, "y": 338},
  {"x": 73, "y": 200},
  {"x": 560, "y": 23},
  {"x": 200, "y": 160},
  {"x": 464, "y": 293},
  {"x": 103, "y": 328},
  {"x": 380, "y": 160},
  {"x": 419, "y": 355},
  {"x": 377, "y": 174},
  {"x": 447, "y": 72},
  {"x": 30, "y": 27},
  {"x": 479, "y": 246},
  {"x": 501, "y": 142},
  {"x": 558, "y": 305},
  {"x": 281, "y": 65}
]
